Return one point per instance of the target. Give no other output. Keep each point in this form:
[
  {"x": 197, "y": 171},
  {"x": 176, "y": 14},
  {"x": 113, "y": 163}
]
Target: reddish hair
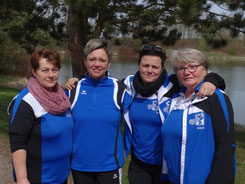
[{"x": 50, "y": 55}]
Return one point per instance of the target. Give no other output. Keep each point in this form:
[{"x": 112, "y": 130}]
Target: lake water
[{"x": 232, "y": 74}]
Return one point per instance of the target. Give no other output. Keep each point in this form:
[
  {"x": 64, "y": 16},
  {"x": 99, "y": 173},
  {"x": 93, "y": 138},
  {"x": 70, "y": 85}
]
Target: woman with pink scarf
[{"x": 41, "y": 125}]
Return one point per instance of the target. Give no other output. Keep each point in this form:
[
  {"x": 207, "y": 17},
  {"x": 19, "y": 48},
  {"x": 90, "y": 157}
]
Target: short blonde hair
[
  {"x": 188, "y": 55},
  {"x": 98, "y": 43}
]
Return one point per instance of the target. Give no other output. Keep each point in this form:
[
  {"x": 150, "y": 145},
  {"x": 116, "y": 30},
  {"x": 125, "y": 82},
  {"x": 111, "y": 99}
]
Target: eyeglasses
[
  {"x": 151, "y": 47},
  {"x": 190, "y": 68}
]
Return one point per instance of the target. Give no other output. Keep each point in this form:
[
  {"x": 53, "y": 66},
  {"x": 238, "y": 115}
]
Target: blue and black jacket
[
  {"x": 198, "y": 138},
  {"x": 46, "y": 138}
]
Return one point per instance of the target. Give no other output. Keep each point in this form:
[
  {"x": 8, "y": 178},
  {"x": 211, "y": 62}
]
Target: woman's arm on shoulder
[
  {"x": 70, "y": 84},
  {"x": 211, "y": 82},
  {"x": 215, "y": 79}
]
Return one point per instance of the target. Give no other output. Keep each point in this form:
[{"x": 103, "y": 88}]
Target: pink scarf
[{"x": 55, "y": 102}]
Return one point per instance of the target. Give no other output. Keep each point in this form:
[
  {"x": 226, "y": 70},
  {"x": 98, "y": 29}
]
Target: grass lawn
[
  {"x": 6, "y": 94},
  {"x": 240, "y": 154}
]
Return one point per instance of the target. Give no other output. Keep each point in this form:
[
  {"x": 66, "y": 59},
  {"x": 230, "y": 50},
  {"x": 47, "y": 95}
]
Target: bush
[
  {"x": 204, "y": 45},
  {"x": 232, "y": 51},
  {"x": 13, "y": 60}
]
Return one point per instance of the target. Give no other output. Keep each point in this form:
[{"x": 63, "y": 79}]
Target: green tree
[
  {"x": 210, "y": 24},
  {"x": 149, "y": 20},
  {"x": 30, "y": 22},
  {"x": 33, "y": 22},
  {"x": 109, "y": 18},
  {"x": 25, "y": 24}
]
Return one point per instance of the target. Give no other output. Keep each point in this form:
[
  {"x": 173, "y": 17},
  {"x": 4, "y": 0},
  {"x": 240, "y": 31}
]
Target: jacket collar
[{"x": 97, "y": 81}]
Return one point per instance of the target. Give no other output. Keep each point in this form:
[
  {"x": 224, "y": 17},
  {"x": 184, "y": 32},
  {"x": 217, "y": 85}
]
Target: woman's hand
[
  {"x": 70, "y": 83},
  {"x": 207, "y": 89}
]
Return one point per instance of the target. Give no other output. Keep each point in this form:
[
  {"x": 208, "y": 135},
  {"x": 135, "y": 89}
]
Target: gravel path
[{"x": 5, "y": 161}]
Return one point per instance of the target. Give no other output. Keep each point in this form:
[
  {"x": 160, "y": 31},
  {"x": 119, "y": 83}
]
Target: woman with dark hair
[{"x": 41, "y": 125}]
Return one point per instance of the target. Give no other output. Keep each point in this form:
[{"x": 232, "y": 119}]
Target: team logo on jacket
[
  {"x": 198, "y": 120},
  {"x": 84, "y": 92},
  {"x": 68, "y": 113},
  {"x": 166, "y": 108},
  {"x": 153, "y": 106}
]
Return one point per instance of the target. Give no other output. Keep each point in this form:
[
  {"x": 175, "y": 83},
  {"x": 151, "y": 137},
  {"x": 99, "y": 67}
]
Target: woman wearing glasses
[
  {"x": 151, "y": 92},
  {"x": 198, "y": 134}
]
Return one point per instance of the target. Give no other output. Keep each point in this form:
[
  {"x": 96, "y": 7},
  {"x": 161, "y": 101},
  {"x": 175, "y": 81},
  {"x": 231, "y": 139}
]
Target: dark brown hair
[
  {"x": 152, "y": 50},
  {"x": 50, "y": 55}
]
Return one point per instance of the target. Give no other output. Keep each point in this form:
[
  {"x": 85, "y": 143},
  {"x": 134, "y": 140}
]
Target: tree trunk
[{"x": 77, "y": 40}]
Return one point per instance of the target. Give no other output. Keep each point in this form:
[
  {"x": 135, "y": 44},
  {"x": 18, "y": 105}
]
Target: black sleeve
[
  {"x": 175, "y": 81},
  {"x": 223, "y": 167},
  {"x": 73, "y": 93},
  {"x": 79, "y": 76},
  {"x": 121, "y": 89},
  {"x": 216, "y": 79},
  {"x": 21, "y": 126}
]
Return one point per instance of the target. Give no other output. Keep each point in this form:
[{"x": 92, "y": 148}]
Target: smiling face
[
  {"x": 97, "y": 63},
  {"x": 47, "y": 74},
  {"x": 150, "y": 68},
  {"x": 191, "y": 79}
]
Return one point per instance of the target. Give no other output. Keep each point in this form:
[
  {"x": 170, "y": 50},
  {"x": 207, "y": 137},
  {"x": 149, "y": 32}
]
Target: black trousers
[
  {"x": 110, "y": 177},
  {"x": 143, "y": 173}
]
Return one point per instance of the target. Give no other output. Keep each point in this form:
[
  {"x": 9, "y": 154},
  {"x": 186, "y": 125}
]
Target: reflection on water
[
  {"x": 65, "y": 72},
  {"x": 233, "y": 76}
]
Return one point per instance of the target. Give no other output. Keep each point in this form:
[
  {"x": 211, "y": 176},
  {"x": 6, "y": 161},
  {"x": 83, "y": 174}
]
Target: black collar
[{"x": 150, "y": 89}]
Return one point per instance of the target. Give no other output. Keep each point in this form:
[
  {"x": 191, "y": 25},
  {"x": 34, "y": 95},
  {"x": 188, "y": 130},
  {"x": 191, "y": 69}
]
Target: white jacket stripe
[
  {"x": 183, "y": 146},
  {"x": 77, "y": 94}
]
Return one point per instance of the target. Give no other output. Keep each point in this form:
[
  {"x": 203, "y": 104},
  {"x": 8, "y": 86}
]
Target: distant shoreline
[
  {"x": 229, "y": 59},
  {"x": 212, "y": 59}
]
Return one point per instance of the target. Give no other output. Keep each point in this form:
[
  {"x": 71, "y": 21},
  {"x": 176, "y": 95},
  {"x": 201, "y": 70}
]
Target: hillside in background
[{"x": 234, "y": 47}]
